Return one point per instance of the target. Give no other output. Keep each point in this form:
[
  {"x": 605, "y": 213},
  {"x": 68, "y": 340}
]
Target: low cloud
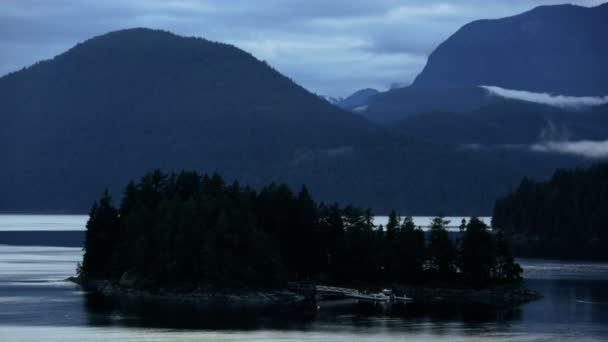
[
  {"x": 567, "y": 102},
  {"x": 554, "y": 132},
  {"x": 582, "y": 148},
  {"x": 585, "y": 148}
]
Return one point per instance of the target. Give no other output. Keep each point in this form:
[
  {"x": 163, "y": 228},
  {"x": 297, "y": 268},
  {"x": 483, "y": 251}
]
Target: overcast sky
[{"x": 331, "y": 47}]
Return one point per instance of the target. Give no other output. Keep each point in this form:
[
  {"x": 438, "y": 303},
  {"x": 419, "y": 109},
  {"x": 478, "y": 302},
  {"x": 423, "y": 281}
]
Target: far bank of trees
[
  {"x": 565, "y": 217},
  {"x": 197, "y": 230}
]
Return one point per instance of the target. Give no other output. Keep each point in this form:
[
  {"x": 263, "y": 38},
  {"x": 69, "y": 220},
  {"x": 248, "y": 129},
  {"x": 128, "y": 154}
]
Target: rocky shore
[
  {"x": 233, "y": 299},
  {"x": 500, "y": 296}
]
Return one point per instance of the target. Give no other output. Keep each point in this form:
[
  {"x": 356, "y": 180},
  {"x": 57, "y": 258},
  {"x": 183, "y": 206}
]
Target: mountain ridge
[
  {"x": 529, "y": 51},
  {"x": 122, "y": 104},
  {"x": 119, "y": 106}
]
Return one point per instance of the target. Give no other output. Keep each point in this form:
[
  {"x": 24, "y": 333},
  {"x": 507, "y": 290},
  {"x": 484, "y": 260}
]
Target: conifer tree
[
  {"x": 101, "y": 238},
  {"x": 442, "y": 249}
]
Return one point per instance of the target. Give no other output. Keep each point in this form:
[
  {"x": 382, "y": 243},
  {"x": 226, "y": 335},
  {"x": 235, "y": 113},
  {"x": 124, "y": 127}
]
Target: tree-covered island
[{"x": 196, "y": 233}]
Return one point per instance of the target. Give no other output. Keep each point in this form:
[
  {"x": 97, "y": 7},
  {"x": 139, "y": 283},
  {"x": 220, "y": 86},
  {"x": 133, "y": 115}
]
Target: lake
[{"x": 37, "y": 304}]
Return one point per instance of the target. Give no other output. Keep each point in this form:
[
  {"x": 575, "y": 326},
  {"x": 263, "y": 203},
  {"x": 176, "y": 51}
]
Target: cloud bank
[
  {"x": 585, "y": 148},
  {"x": 561, "y": 101}
]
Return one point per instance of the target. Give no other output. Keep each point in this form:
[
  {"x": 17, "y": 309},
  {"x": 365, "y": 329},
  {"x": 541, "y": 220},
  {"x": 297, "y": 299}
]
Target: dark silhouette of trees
[
  {"x": 477, "y": 252},
  {"x": 442, "y": 249},
  {"x": 186, "y": 230},
  {"x": 411, "y": 251},
  {"x": 392, "y": 257},
  {"x": 101, "y": 237},
  {"x": 564, "y": 217}
]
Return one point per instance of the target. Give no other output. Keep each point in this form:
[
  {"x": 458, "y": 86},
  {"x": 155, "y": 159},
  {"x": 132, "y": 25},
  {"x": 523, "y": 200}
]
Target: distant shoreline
[{"x": 44, "y": 212}]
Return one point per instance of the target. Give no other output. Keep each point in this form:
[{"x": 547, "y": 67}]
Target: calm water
[
  {"x": 36, "y": 304},
  {"x": 17, "y": 222}
]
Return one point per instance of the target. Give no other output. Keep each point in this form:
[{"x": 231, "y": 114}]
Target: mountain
[
  {"x": 507, "y": 122},
  {"x": 555, "y": 49},
  {"x": 358, "y": 99},
  {"x": 121, "y": 104},
  {"x": 404, "y": 102},
  {"x": 132, "y": 100},
  {"x": 353, "y": 101},
  {"x": 332, "y": 99}
]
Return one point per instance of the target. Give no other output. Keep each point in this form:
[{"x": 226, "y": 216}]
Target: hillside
[
  {"x": 408, "y": 101},
  {"x": 358, "y": 99},
  {"x": 563, "y": 217},
  {"x": 126, "y": 102},
  {"x": 550, "y": 49},
  {"x": 507, "y": 122},
  {"x": 133, "y": 100},
  {"x": 555, "y": 49}
]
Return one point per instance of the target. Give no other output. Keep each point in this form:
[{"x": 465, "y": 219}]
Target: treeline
[
  {"x": 565, "y": 217},
  {"x": 193, "y": 230}
]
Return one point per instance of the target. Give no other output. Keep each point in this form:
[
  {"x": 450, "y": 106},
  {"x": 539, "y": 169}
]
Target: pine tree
[
  {"x": 477, "y": 253},
  {"x": 442, "y": 249},
  {"x": 392, "y": 226},
  {"x": 411, "y": 251},
  {"x": 101, "y": 239}
]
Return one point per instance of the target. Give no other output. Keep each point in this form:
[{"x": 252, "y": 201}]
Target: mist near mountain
[
  {"x": 587, "y": 148},
  {"x": 408, "y": 101},
  {"x": 121, "y": 104},
  {"x": 567, "y": 102}
]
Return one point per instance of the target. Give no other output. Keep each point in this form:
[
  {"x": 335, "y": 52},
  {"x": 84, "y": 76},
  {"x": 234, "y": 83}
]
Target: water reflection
[
  {"x": 341, "y": 313},
  {"x": 36, "y": 304}
]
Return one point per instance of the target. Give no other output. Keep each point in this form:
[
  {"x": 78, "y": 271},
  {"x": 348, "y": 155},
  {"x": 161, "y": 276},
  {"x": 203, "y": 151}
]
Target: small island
[{"x": 195, "y": 238}]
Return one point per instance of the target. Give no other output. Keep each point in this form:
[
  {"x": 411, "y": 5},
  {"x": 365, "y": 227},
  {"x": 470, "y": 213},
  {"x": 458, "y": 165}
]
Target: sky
[{"x": 331, "y": 47}]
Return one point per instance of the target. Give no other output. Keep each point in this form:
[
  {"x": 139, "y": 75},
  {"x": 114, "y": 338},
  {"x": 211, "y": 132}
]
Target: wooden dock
[{"x": 384, "y": 296}]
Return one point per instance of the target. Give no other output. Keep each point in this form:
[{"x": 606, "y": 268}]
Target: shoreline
[
  {"x": 498, "y": 296},
  {"x": 229, "y": 299}
]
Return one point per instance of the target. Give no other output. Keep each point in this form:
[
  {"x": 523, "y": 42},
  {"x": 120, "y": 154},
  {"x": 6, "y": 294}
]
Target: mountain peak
[
  {"x": 138, "y": 99},
  {"x": 557, "y": 49}
]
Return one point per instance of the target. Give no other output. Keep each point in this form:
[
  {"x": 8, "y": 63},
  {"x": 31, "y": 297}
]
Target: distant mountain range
[
  {"x": 120, "y": 104},
  {"x": 551, "y": 49},
  {"x": 403, "y": 102},
  {"x": 353, "y": 101},
  {"x": 123, "y": 103},
  {"x": 507, "y": 123},
  {"x": 548, "y": 86}
]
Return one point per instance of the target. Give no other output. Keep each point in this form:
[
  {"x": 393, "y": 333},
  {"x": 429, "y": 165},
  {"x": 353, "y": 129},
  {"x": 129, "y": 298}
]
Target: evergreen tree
[
  {"x": 477, "y": 252},
  {"x": 463, "y": 225},
  {"x": 564, "y": 217},
  {"x": 505, "y": 268},
  {"x": 188, "y": 230},
  {"x": 392, "y": 226},
  {"x": 411, "y": 251},
  {"x": 442, "y": 249},
  {"x": 101, "y": 239}
]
